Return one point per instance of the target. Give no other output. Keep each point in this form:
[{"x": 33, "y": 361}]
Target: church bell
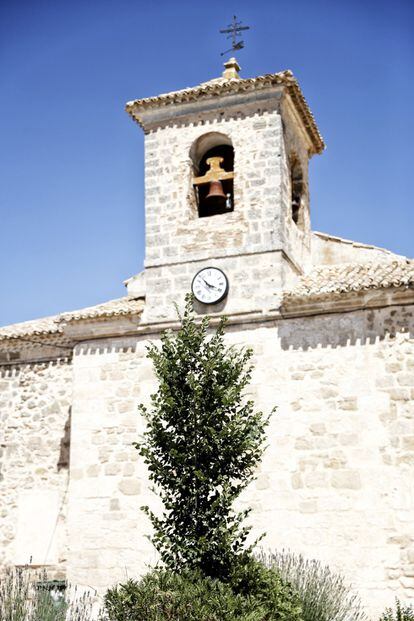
[{"x": 216, "y": 193}]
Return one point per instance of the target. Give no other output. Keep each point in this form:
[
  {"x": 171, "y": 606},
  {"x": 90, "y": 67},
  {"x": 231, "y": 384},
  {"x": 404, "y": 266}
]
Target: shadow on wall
[
  {"x": 363, "y": 327},
  {"x": 64, "y": 452}
]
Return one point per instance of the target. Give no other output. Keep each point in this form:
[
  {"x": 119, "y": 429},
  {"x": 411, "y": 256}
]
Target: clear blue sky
[{"x": 71, "y": 161}]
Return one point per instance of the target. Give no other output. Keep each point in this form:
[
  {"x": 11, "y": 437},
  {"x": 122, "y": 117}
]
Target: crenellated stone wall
[
  {"x": 335, "y": 482},
  {"x": 35, "y": 405}
]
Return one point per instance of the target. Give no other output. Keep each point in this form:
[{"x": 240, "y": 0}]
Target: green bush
[
  {"x": 25, "y": 596},
  {"x": 255, "y": 594},
  {"x": 252, "y": 579},
  {"x": 324, "y": 595},
  {"x": 400, "y": 613}
]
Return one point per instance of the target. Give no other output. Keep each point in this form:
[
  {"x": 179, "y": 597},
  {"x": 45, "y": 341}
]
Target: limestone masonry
[{"x": 331, "y": 323}]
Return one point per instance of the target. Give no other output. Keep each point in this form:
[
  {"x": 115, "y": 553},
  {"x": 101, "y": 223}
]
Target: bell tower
[{"x": 226, "y": 186}]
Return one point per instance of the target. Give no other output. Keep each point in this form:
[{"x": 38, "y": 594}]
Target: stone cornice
[
  {"x": 325, "y": 305},
  {"x": 236, "y": 86}
]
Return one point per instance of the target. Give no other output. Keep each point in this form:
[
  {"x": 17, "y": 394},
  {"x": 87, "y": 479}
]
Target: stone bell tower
[{"x": 226, "y": 186}]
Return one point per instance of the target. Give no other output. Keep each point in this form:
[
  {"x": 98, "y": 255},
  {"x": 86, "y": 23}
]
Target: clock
[{"x": 210, "y": 285}]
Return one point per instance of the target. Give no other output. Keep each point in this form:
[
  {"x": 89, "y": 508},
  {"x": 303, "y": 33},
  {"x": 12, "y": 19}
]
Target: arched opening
[
  {"x": 213, "y": 174},
  {"x": 296, "y": 180}
]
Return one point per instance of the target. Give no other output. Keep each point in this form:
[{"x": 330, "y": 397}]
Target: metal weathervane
[{"x": 233, "y": 31}]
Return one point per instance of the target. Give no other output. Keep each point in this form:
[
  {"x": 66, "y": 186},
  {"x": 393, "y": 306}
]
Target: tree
[{"x": 202, "y": 444}]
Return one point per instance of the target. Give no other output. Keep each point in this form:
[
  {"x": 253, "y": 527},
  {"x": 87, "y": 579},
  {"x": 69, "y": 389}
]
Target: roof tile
[
  {"x": 112, "y": 308},
  {"x": 55, "y": 324},
  {"x": 352, "y": 277}
]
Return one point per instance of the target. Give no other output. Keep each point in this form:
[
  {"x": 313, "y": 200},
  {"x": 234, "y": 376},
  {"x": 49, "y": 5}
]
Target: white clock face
[{"x": 210, "y": 285}]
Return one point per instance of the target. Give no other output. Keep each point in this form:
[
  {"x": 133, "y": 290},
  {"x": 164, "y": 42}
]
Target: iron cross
[{"x": 233, "y": 31}]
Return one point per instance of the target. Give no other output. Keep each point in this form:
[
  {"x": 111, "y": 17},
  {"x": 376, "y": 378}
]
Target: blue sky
[{"x": 71, "y": 161}]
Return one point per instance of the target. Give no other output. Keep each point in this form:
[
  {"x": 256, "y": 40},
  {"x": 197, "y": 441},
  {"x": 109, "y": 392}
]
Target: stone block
[
  {"x": 129, "y": 469},
  {"x": 408, "y": 443},
  {"x": 346, "y": 479},
  {"x": 308, "y": 506},
  {"x": 93, "y": 471},
  {"x": 296, "y": 481},
  {"x": 262, "y": 482},
  {"x": 407, "y": 582},
  {"x": 327, "y": 392},
  {"x": 316, "y": 479},
  {"x": 112, "y": 469},
  {"x": 385, "y": 382},
  {"x": 405, "y": 379},
  {"x": 303, "y": 444},
  {"x": 317, "y": 429},
  {"x": 114, "y": 504},
  {"x": 129, "y": 487},
  {"x": 348, "y": 403}
]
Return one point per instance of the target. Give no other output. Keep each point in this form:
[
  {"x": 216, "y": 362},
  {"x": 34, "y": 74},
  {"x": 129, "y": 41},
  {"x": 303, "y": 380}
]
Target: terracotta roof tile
[
  {"x": 55, "y": 324},
  {"x": 47, "y": 325},
  {"x": 112, "y": 308},
  {"x": 352, "y": 277}
]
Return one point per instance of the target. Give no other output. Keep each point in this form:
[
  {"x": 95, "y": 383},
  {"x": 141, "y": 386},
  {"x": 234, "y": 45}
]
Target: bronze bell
[{"x": 216, "y": 193}]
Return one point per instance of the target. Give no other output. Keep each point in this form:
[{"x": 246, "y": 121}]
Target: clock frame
[{"x": 222, "y": 291}]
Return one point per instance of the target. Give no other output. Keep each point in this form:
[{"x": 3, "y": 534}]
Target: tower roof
[{"x": 229, "y": 84}]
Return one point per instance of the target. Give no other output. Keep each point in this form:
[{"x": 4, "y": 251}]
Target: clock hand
[
  {"x": 205, "y": 284},
  {"x": 209, "y": 285}
]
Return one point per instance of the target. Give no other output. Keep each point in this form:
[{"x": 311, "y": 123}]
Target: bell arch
[{"x": 212, "y": 157}]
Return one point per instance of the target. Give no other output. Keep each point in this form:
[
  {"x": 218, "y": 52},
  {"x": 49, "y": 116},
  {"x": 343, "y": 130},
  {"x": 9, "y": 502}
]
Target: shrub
[
  {"x": 163, "y": 595},
  {"x": 324, "y": 595},
  {"x": 400, "y": 613},
  {"x": 253, "y": 579},
  {"x": 24, "y": 596}
]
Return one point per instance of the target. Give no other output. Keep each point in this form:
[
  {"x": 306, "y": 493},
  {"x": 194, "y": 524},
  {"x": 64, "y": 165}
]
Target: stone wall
[
  {"x": 175, "y": 233},
  {"x": 106, "y": 529},
  {"x": 34, "y": 452},
  {"x": 335, "y": 482},
  {"x": 255, "y": 285}
]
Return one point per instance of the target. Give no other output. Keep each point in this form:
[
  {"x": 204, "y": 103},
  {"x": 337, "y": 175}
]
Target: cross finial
[{"x": 233, "y": 31}]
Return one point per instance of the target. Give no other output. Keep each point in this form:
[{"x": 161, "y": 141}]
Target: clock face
[{"x": 210, "y": 285}]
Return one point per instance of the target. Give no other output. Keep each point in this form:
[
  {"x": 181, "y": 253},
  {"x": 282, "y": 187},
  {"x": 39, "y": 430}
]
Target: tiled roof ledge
[{"x": 151, "y": 112}]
